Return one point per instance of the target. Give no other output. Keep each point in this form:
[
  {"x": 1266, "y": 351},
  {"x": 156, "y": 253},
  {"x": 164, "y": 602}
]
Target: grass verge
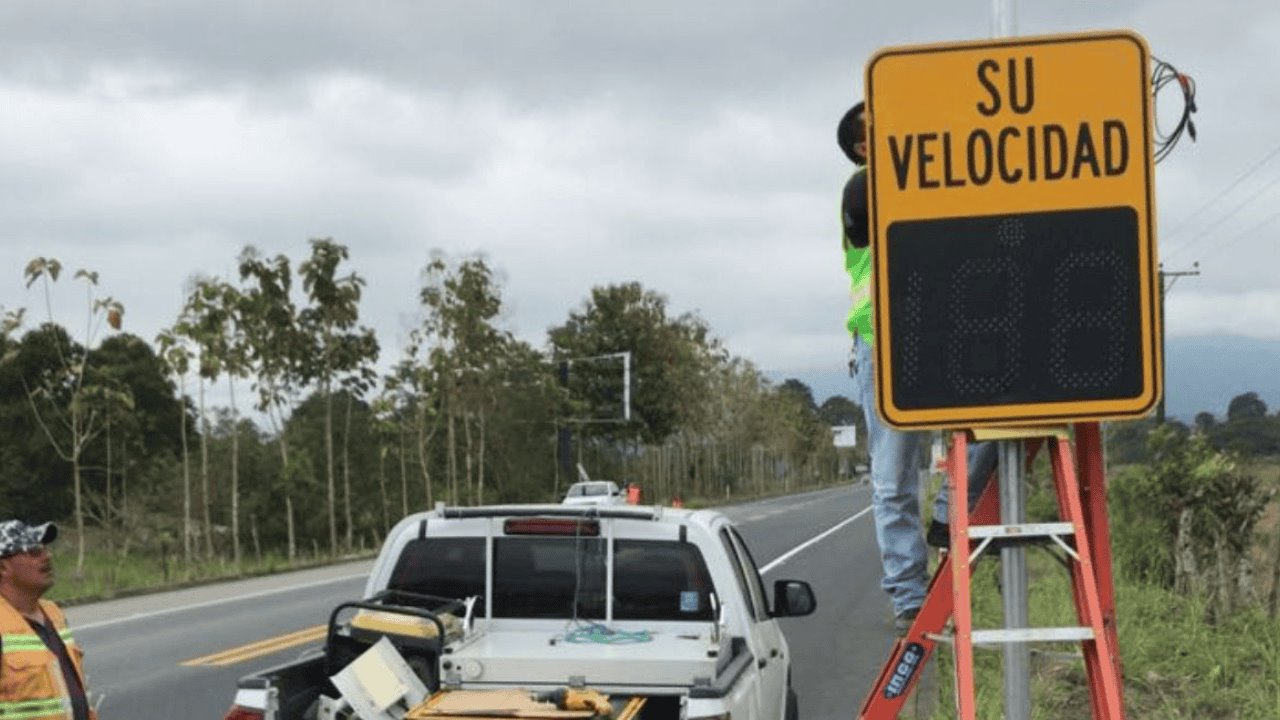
[
  {"x": 1177, "y": 666},
  {"x": 107, "y": 575}
]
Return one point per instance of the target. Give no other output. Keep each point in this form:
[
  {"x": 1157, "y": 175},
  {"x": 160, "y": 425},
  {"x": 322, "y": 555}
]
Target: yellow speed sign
[{"x": 1012, "y": 213}]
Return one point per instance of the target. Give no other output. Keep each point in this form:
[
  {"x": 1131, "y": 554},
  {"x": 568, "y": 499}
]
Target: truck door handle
[{"x": 761, "y": 663}]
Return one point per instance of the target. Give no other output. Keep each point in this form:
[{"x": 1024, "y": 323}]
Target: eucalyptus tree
[
  {"x": 209, "y": 320},
  {"x": 235, "y": 362},
  {"x": 278, "y": 352},
  {"x": 383, "y": 419},
  {"x": 356, "y": 353},
  {"x": 65, "y": 405},
  {"x": 343, "y": 352},
  {"x": 176, "y": 357},
  {"x": 461, "y": 304},
  {"x": 417, "y": 390},
  {"x": 120, "y": 423},
  {"x": 393, "y": 415}
]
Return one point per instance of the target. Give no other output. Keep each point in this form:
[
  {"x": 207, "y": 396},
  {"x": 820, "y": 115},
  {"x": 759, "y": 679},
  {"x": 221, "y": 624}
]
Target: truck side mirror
[{"x": 793, "y": 598}]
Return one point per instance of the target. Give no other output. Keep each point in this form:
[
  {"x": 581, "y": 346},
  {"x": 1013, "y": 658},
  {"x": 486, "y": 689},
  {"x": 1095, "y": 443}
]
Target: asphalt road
[
  {"x": 837, "y": 652},
  {"x": 179, "y": 654}
]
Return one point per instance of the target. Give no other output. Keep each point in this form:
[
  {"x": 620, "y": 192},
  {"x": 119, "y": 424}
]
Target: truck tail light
[
  {"x": 242, "y": 713},
  {"x": 552, "y": 526}
]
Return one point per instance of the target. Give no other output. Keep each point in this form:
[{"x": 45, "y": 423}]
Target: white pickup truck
[{"x": 661, "y": 610}]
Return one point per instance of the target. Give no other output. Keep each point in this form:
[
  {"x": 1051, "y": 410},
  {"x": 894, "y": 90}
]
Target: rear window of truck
[
  {"x": 446, "y": 567},
  {"x": 563, "y": 578}
]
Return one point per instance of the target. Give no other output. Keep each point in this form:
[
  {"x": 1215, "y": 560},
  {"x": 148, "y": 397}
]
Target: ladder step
[
  {"x": 1021, "y": 530},
  {"x": 1023, "y": 635}
]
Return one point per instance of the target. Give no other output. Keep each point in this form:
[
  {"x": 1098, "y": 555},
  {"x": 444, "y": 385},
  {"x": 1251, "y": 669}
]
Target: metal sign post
[
  {"x": 1013, "y": 576},
  {"x": 1013, "y": 560}
]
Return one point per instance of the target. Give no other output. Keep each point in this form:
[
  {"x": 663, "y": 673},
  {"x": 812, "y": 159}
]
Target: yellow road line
[{"x": 260, "y": 648}]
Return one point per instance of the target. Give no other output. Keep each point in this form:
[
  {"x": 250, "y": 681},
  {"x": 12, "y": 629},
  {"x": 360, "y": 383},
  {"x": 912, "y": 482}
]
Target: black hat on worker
[{"x": 851, "y": 131}]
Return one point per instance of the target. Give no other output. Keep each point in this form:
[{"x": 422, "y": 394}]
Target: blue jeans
[{"x": 895, "y": 490}]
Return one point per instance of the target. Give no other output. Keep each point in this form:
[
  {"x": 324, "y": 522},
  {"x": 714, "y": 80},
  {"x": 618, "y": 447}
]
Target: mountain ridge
[{"x": 1204, "y": 372}]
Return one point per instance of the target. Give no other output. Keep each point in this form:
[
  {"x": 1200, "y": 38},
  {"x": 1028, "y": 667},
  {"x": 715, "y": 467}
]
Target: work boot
[
  {"x": 939, "y": 535},
  {"x": 902, "y": 621}
]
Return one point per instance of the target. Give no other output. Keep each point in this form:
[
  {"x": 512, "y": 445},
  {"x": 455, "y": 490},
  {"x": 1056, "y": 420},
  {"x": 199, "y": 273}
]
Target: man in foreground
[{"x": 41, "y": 668}]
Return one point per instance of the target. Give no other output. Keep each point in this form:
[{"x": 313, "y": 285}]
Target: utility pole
[
  {"x": 1004, "y": 18},
  {"x": 1168, "y": 278}
]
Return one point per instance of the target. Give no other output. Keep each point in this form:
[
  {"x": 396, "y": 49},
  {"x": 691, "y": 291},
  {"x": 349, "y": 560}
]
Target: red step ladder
[{"x": 1083, "y": 534}]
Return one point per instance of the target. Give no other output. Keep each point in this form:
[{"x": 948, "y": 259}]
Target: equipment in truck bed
[{"x": 569, "y": 704}]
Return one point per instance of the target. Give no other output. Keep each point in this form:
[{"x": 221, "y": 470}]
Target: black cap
[{"x": 852, "y": 131}]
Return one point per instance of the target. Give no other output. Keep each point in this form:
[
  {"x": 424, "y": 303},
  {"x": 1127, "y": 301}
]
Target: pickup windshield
[{"x": 563, "y": 578}]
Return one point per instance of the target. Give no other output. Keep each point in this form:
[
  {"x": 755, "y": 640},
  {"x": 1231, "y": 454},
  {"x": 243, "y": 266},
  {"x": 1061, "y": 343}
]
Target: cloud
[
  {"x": 1251, "y": 313},
  {"x": 687, "y": 146}
]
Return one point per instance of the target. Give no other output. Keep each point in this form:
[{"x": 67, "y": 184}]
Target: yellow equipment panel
[{"x": 1012, "y": 226}]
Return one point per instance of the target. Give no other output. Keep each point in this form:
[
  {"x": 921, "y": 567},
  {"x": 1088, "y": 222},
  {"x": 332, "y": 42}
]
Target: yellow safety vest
[
  {"x": 857, "y": 262},
  {"x": 32, "y": 686}
]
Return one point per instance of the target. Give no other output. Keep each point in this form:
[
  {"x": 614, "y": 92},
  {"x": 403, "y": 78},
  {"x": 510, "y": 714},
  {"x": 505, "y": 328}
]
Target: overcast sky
[{"x": 686, "y": 145}]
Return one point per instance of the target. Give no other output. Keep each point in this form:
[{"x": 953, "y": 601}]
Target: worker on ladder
[{"x": 895, "y": 454}]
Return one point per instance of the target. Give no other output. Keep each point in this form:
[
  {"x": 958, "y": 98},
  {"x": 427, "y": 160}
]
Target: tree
[
  {"x": 341, "y": 349},
  {"x": 278, "y": 353},
  {"x": 140, "y": 430},
  {"x": 65, "y": 406},
  {"x": 464, "y": 347},
  {"x": 1127, "y": 441},
  {"x": 1246, "y": 405},
  {"x": 416, "y": 391},
  {"x": 35, "y": 481},
  {"x": 1248, "y": 436},
  {"x": 1213, "y": 507},
  {"x": 840, "y": 410},
  {"x": 177, "y": 363},
  {"x": 384, "y": 426},
  {"x": 1204, "y": 422},
  {"x": 209, "y": 321},
  {"x": 107, "y": 505},
  {"x": 802, "y": 393},
  {"x": 520, "y": 421},
  {"x": 234, "y": 362},
  {"x": 10, "y": 320},
  {"x": 672, "y": 356}
]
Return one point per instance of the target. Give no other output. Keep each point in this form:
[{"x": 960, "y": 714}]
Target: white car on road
[{"x": 594, "y": 492}]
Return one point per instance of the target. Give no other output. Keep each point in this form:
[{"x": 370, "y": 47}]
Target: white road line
[
  {"x": 793, "y": 551},
  {"x": 221, "y": 601}
]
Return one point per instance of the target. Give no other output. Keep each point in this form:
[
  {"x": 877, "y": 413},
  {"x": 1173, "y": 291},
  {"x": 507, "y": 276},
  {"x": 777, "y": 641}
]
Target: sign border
[{"x": 1090, "y": 409}]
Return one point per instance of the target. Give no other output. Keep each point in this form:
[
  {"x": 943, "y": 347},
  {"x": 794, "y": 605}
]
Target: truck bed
[{"x": 540, "y": 657}]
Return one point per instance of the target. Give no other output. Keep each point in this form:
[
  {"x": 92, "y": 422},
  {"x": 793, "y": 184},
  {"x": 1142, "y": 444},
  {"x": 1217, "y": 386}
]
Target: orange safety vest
[{"x": 32, "y": 686}]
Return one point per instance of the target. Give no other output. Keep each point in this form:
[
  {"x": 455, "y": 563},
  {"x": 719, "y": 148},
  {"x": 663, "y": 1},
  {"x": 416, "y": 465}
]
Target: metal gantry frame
[{"x": 626, "y": 386}]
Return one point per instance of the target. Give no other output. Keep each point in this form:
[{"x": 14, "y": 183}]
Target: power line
[
  {"x": 1248, "y": 232},
  {"x": 1229, "y": 214},
  {"x": 1234, "y": 184}
]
